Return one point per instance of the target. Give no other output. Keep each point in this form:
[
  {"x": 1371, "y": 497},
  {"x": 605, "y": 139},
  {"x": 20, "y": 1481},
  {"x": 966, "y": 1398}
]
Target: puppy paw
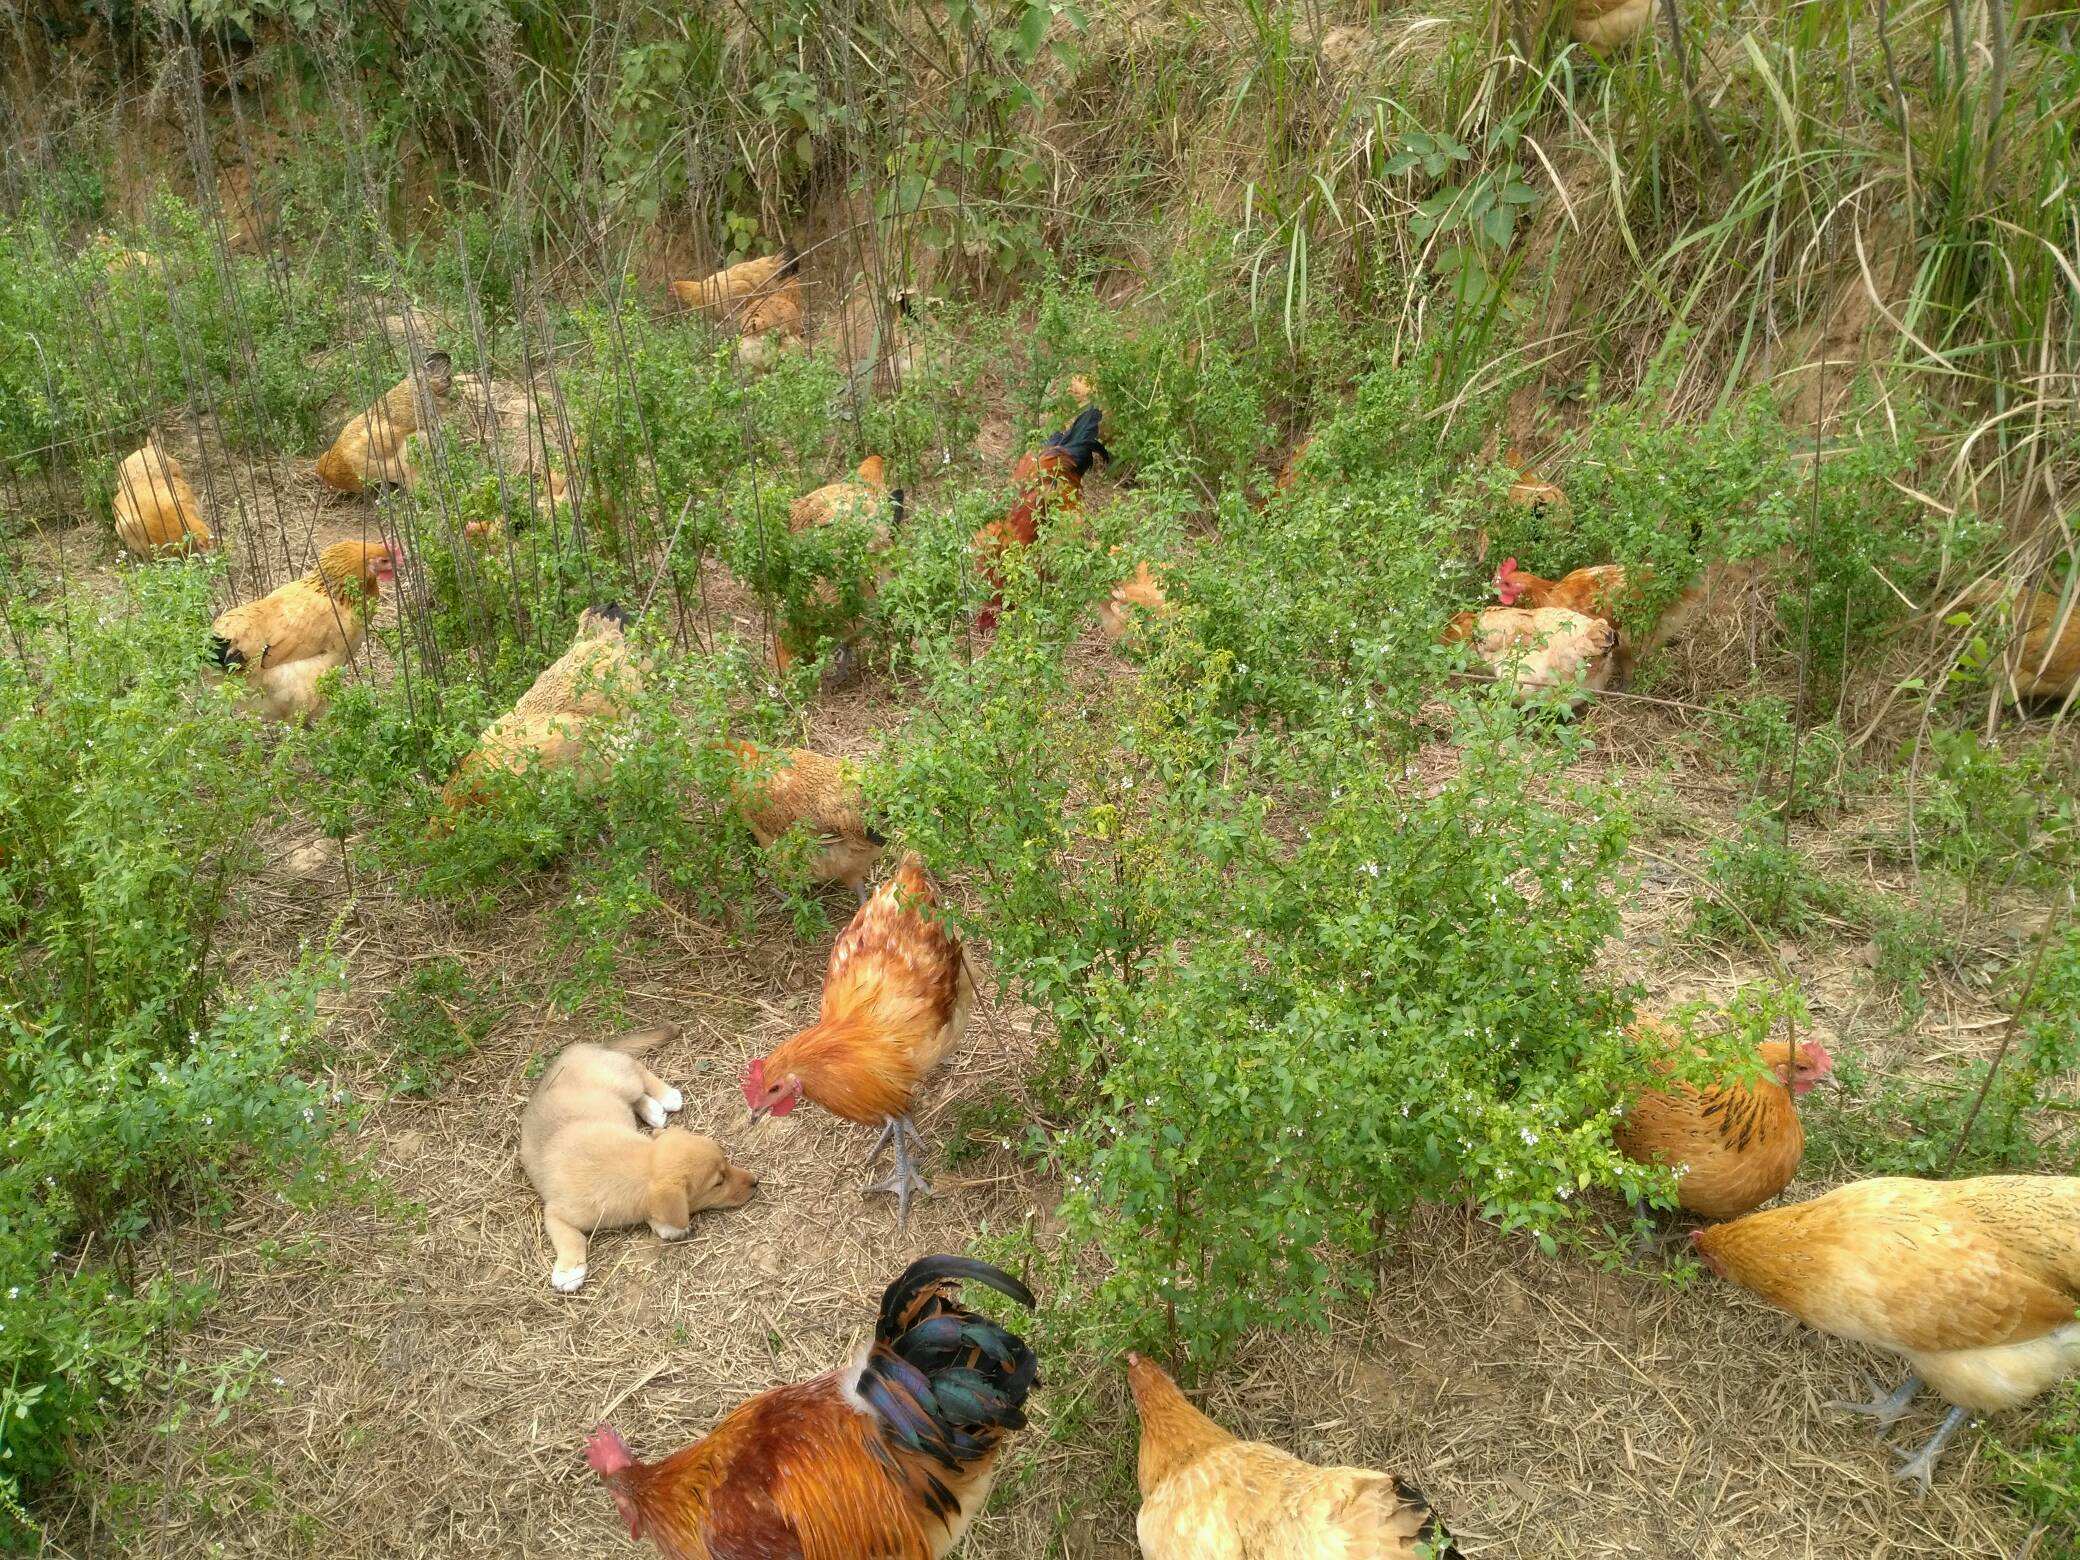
[
  {"x": 669, "y": 1231},
  {"x": 651, "y": 1112},
  {"x": 567, "y": 1280},
  {"x": 671, "y": 1099}
]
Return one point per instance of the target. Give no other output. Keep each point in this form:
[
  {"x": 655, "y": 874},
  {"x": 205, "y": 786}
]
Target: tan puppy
[{"x": 595, "y": 1170}]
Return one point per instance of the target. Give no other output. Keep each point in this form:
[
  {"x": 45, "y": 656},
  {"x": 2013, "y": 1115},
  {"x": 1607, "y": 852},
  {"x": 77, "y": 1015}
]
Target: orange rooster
[
  {"x": 1052, "y": 475},
  {"x": 284, "y": 642},
  {"x": 1597, "y": 592},
  {"x": 1208, "y": 1495},
  {"x": 895, "y": 1003},
  {"x": 887, "y": 1458},
  {"x": 1976, "y": 1282},
  {"x": 1736, "y": 1144}
]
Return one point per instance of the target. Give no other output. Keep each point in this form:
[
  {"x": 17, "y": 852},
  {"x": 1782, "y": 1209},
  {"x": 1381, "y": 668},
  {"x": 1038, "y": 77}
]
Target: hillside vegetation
[{"x": 1311, "y": 956}]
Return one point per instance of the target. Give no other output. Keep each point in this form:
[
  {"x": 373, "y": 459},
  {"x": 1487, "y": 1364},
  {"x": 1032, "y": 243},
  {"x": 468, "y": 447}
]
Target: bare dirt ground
[{"x": 402, "y": 1382}]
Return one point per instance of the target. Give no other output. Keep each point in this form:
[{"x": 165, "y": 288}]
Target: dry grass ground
[{"x": 412, "y": 1386}]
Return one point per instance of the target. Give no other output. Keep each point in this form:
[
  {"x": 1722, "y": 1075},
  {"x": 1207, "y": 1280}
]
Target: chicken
[
  {"x": 155, "y": 509},
  {"x": 1289, "y": 473},
  {"x": 1735, "y": 1145},
  {"x": 2043, "y": 653},
  {"x": 1976, "y": 1282},
  {"x": 800, "y": 787},
  {"x": 1597, "y": 592},
  {"x": 896, "y": 1000},
  {"x": 1139, "y": 593},
  {"x": 757, "y": 297},
  {"x": 1207, "y": 1496},
  {"x": 370, "y": 450},
  {"x": 1545, "y": 648},
  {"x": 865, "y": 496},
  {"x": 557, "y": 723},
  {"x": 888, "y": 1457},
  {"x": 1604, "y": 24},
  {"x": 1052, "y": 475},
  {"x": 1531, "y": 491},
  {"x": 288, "y": 639}
]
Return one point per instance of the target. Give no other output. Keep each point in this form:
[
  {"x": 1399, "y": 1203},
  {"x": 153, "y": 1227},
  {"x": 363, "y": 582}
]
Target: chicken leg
[
  {"x": 1885, "y": 1410},
  {"x": 1920, "y": 1468},
  {"x": 904, "y": 1179}
]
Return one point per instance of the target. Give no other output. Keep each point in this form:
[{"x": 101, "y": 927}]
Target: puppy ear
[{"x": 669, "y": 1208}]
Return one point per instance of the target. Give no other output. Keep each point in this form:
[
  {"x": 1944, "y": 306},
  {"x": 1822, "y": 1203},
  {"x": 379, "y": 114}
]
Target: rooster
[
  {"x": 1545, "y": 648},
  {"x": 288, "y": 639},
  {"x": 1052, "y": 475},
  {"x": 1736, "y": 1144},
  {"x": 1205, "y": 1495},
  {"x": 155, "y": 509},
  {"x": 370, "y": 450},
  {"x": 1597, "y": 592},
  {"x": 1976, "y": 1282},
  {"x": 887, "y": 1458},
  {"x": 896, "y": 1001},
  {"x": 798, "y": 786},
  {"x": 556, "y": 723}
]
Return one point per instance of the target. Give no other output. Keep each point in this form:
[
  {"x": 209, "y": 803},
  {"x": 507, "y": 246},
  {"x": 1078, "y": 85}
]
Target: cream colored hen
[
  {"x": 557, "y": 723},
  {"x": 1205, "y": 1495}
]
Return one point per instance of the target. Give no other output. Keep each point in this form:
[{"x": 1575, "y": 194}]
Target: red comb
[
  {"x": 755, "y": 1082},
  {"x": 607, "y": 1453}
]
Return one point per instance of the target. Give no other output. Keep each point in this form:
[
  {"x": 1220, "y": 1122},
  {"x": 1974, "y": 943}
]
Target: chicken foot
[
  {"x": 1920, "y": 1468},
  {"x": 904, "y": 1179},
  {"x": 1885, "y": 1410}
]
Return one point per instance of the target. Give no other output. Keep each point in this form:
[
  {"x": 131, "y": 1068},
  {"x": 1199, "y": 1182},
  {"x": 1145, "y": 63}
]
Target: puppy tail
[{"x": 639, "y": 1042}]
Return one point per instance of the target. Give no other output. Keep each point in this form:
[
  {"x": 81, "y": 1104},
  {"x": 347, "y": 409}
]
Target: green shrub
[{"x": 133, "y": 1074}]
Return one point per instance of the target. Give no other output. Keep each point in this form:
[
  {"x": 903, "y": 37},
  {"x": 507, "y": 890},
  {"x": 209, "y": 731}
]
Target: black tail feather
[
  {"x": 1433, "y": 1532},
  {"x": 790, "y": 260},
  {"x": 1079, "y": 441},
  {"x": 944, "y": 1381},
  {"x": 924, "y": 1274}
]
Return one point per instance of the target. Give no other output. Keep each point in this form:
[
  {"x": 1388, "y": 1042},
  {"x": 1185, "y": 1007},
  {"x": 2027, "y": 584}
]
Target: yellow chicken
[
  {"x": 1543, "y": 647},
  {"x": 1207, "y": 1496},
  {"x": 2042, "y": 657},
  {"x": 288, "y": 639},
  {"x": 865, "y": 495},
  {"x": 558, "y": 723},
  {"x": 370, "y": 450},
  {"x": 1976, "y": 1282},
  {"x": 1140, "y": 593},
  {"x": 797, "y": 786},
  {"x": 155, "y": 509},
  {"x": 755, "y": 296}
]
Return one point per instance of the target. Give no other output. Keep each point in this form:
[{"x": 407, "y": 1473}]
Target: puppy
[{"x": 595, "y": 1170}]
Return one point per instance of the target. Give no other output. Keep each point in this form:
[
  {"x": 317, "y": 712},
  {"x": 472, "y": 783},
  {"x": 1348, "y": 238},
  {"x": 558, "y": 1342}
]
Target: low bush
[{"x": 135, "y": 1074}]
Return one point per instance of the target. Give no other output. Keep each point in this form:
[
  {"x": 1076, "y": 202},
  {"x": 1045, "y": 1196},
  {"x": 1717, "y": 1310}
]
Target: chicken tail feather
[
  {"x": 945, "y": 1382},
  {"x": 1079, "y": 441},
  {"x": 1433, "y": 1531}
]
